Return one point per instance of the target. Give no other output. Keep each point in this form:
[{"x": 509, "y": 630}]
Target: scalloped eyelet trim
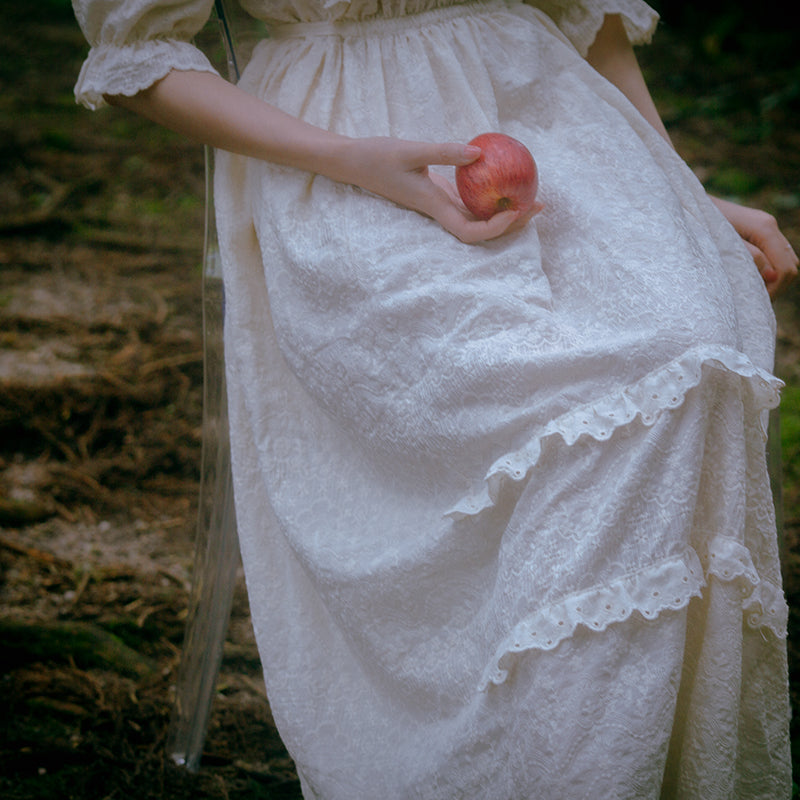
[
  {"x": 763, "y": 602},
  {"x": 659, "y": 391},
  {"x": 668, "y": 585}
]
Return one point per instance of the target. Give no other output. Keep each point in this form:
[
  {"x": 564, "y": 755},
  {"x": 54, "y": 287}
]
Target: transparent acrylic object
[
  {"x": 775, "y": 466},
  {"x": 216, "y": 558}
]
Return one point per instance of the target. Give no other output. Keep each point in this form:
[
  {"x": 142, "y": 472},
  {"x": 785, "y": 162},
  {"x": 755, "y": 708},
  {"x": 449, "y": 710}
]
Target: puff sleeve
[
  {"x": 135, "y": 43},
  {"x": 580, "y": 20}
]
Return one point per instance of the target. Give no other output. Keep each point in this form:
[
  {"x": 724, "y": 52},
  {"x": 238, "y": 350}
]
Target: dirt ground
[{"x": 101, "y": 219}]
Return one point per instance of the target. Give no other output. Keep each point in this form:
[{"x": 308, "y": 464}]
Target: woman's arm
[
  {"x": 213, "y": 111},
  {"x": 613, "y": 57}
]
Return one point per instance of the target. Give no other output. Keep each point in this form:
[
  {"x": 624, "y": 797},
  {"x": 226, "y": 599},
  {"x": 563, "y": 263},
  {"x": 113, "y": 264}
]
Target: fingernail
[{"x": 471, "y": 151}]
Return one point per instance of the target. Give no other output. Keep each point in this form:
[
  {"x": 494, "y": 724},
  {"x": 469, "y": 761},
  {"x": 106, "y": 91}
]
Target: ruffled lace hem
[
  {"x": 581, "y": 21},
  {"x": 663, "y": 389},
  {"x": 670, "y": 584},
  {"x": 763, "y": 602},
  {"x": 130, "y": 68}
]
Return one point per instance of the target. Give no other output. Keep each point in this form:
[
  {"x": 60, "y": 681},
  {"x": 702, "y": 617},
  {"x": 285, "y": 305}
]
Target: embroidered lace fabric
[{"x": 503, "y": 509}]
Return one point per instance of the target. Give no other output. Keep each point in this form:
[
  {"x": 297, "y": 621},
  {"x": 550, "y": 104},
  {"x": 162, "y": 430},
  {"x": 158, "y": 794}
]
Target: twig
[{"x": 171, "y": 361}]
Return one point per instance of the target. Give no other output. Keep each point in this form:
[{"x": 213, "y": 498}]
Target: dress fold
[{"x": 644, "y": 400}]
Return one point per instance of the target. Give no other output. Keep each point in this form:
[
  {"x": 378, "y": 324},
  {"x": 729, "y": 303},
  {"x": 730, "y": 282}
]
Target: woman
[{"x": 500, "y": 486}]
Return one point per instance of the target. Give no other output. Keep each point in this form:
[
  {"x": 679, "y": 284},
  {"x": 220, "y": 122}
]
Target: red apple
[{"x": 503, "y": 177}]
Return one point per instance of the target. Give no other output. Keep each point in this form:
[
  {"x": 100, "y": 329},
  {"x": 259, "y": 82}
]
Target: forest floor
[{"x": 101, "y": 219}]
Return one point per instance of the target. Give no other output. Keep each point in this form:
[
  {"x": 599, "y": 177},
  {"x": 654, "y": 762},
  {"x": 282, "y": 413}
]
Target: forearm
[
  {"x": 213, "y": 111},
  {"x": 210, "y": 110}
]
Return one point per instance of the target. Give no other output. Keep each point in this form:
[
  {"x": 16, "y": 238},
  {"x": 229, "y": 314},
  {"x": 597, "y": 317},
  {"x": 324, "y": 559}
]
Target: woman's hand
[
  {"x": 208, "y": 109},
  {"x": 399, "y": 171},
  {"x": 774, "y": 256},
  {"x": 612, "y": 56}
]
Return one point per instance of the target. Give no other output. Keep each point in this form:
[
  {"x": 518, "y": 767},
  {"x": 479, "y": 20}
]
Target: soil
[{"x": 101, "y": 390}]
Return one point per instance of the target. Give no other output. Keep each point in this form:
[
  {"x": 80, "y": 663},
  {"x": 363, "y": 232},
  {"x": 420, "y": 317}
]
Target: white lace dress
[{"x": 503, "y": 509}]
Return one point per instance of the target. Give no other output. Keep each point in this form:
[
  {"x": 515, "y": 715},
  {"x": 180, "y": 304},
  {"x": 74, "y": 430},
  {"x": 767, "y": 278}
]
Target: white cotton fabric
[{"x": 503, "y": 508}]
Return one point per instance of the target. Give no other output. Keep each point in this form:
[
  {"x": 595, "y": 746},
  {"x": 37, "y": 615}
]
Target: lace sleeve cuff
[
  {"x": 580, "y": 21},
  {"x": 129, "y": 68}
]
